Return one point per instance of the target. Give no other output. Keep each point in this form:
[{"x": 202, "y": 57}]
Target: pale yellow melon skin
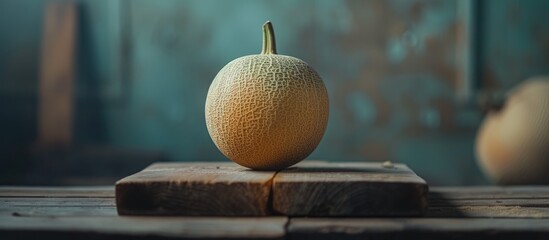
[
  {"x": 513, "y": 144},
  {"x": 267, "y": 111}
]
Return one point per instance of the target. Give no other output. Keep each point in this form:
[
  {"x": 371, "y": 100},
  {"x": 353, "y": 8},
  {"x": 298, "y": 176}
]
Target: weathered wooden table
[{"x": 454, "y": 212}]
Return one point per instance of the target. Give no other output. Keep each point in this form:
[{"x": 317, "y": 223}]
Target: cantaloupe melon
[
  {"x": 267, "y": 111},
  {"x": 513, "y": 142}
]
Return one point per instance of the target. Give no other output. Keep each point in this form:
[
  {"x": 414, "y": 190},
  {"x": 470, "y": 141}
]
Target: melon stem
[{"x": 269, "y": 45}]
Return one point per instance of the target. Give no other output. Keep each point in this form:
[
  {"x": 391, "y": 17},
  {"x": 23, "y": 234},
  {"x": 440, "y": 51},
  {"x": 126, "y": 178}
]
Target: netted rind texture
[{"x": 267, "y": 111}]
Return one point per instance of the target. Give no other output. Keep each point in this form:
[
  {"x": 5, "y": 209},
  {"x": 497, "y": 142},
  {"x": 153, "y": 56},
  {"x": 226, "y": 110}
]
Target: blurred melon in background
[{"x": 513, "y": 142}]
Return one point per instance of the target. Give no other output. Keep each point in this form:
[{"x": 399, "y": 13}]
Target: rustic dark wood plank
[
  {"x": 58, "y": 211},
  {"x": 349, "y": 189},
  {"x": 473, "y": 192},
  {"x": 464, "y": 202},
  {"x": 489, "y": 192},
  {"x": 487, "y": 212},
  {"x": 57, "y": 206},
  {"x": 195, "y": 189},
  {"x": 417, "y": 228},
  {"x": 528, "y": 202},
  {"x": 493, "y": 202},
  {"x": 69, "y": 216},
  {"x": 141, "y": 227},
  {"x": 59, "y": 192},
  {"x": 58, "y": 202}
]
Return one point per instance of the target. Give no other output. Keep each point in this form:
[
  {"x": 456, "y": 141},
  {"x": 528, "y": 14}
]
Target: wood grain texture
[
  {"x": 444, "y": 202},
  {"x": 417, "y": 228},
  {"x": 62, "y": 192},
  {"x": 57, "y": 201},
  {"x": 349, "y": 189},
  {"x": 141, "y": 227},
  {"x": 492, "y": 202},
  {"x": 488, "y": 212},
  {"x": 195, "y": 189},
  {"x": 67, "y": 213},
  {"x": 490, "y": 192},
  {"x": 55, "y": 116}
]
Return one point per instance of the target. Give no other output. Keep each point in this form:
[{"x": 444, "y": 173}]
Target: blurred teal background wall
[{"x": 397, "y": 72}]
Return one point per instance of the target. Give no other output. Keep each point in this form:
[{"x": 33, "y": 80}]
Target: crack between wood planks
[
  {"x": 270, "y": 205},
  {"x": 287, "y": 227}
]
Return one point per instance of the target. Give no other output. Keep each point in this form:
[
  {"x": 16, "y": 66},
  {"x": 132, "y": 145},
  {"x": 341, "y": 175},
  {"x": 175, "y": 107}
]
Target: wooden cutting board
[{"x": 308, "y": 189}]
